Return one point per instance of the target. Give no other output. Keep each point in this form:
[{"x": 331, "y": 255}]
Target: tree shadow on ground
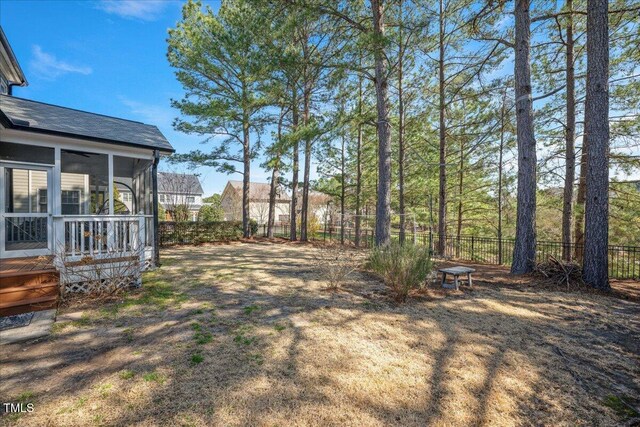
[{"x": 278, "y": 348}]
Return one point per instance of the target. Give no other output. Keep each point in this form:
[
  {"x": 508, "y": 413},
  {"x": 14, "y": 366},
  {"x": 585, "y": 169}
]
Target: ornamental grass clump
[{"x": 401, "y": 267}]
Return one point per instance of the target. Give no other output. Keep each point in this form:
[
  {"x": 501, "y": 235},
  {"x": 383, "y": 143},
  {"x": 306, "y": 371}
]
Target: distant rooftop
[
  {"x": 32, "y": 116},
  {"x": 179, "y": 183},
  {"x": 260, "y": 190}
]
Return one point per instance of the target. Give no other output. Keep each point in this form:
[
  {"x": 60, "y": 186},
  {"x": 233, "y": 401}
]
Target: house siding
[{"x": 28, "y": 183}]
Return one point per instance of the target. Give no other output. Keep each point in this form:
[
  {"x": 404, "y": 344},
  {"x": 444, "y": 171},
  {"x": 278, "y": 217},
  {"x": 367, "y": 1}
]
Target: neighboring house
[
  {"x": 174, "y": 189},
  {"x": 231, "y": 202},
  {"x": 318, "y": 205},
  {"x": 61, "y": 171}
]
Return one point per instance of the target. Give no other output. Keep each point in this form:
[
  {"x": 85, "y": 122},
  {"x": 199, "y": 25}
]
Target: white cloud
[
  {"x": 47, "y": 66},
  {"x": 147, "y": 10},
  {"x": 149, "y": 113}
]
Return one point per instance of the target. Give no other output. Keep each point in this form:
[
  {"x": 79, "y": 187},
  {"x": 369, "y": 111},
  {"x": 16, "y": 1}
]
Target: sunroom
[{"x": 76, "y": 185}]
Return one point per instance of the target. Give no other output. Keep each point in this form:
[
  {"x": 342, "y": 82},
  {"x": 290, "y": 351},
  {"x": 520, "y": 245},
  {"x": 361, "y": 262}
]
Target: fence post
[{"x": 472, "y": 247}]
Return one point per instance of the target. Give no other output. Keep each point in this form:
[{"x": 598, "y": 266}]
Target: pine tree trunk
[
  {"x": 359, "y": 168},
  {"x": 383, "y": 206},
  {"x": 296, "y": 167},
  {"x": 442, "y": 194},
  {"x": 342, "y": 192},
  {"x": 275, "y": 177},
  {"x": 500, "y": 173},
  {"x": 460, "y": 191},
  {"x": 401, "y": 153},
  {"x": 596, "y": 239},
  {"x": 524, "y": 253},
  {"x": 578, "y": 233},
  {"x": 304, "y": 214},
  {"x": 570, "y": 152},
  {"x": 246, "y": 226}
]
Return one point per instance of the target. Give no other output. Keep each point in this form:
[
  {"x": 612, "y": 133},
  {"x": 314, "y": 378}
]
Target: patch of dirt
[{"x": 248, "y": 334}]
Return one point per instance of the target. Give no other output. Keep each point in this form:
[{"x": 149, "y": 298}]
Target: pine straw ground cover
[{"x": 248, "y": 334}]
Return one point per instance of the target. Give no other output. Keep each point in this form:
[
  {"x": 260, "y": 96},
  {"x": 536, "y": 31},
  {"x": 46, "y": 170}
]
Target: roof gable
[
  {"x": 259, "y": 190},
  {"x": 179, "y": 183}
]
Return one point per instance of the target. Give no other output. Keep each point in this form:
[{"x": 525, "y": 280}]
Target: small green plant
[
  {"x": 401, "y": 267},
  {"x": 196, "y": 358},
  {"x": 104, "y": 389},
  {"x": 619, "y": 405},
  {"x": 153, "y": 377},
  {"x": 256, "y": 358},
  {"x": 58, "y": 327},
  {"x": 127, "y": 374},
  {"x": 278, "y": 327},
  {"x": 128, "y": 334},
  {"x": 241, "y": 335},
  {"x": 196, "y": 326},
  {"x": 250, "y": 309},
  {"x": 203, "y": 338},
  {"x": 25, "y": 397}
]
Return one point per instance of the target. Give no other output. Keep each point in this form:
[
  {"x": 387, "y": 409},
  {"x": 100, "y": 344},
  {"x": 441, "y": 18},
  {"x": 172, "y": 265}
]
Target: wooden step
[
  {"x": 28, "y": 305},
  {"x": 24, "y": 264},
  {"x": 24, "y": 292},
  {"x": 24, "y": 278}
]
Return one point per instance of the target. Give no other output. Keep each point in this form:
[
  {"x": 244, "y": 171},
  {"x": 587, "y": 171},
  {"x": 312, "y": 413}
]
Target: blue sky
[{"x": 107, "y": 57}]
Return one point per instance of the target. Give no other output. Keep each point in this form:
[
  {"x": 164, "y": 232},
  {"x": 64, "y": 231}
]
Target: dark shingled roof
[
  {"x": 32, "y": 116},
  {"x": 179, "y": 183}
]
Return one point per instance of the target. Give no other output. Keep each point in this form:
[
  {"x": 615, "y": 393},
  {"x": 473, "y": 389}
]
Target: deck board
[{"x": 35, "y": 263}]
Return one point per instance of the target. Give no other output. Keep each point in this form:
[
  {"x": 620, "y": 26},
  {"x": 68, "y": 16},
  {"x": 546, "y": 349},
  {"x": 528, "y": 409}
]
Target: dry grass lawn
[{"x": 248, "y": 334}]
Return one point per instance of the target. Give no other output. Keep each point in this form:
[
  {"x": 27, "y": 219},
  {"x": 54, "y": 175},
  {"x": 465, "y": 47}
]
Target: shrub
[
  {"x": 180, "y": 233},
  {"x": 253, "y": 225},
  {"x": 335, "y": 264},
  {"x": 210, "y": 213},
  {"x": 401, "y": 267}
]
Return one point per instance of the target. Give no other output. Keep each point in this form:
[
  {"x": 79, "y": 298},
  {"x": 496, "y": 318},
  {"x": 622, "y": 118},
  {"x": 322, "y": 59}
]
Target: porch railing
[
  {"x": 26, "y": 232},
  {"x": 100, "y": 236}
]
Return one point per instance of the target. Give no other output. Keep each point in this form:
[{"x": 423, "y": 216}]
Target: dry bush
[
  {"x": 559, "y": 273},
  {"x": 401, "y": 267},
  {"x": 100, "y": 277},
  {"x": 335, "y": 264}
]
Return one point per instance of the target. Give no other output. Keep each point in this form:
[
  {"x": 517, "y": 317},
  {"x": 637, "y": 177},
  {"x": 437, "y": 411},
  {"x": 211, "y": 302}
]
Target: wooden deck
[
  {"x": 28, "y": 284},
  {"x": 26, "y": 264}
]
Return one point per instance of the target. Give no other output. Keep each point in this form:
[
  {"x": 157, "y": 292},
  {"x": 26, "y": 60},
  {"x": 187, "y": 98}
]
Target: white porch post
[
  {"x": 57, "y": 183},
  {"x": 56, "y": 201},
  {"x": 111, "y": 204},
  {"x": 110, "y": 225},
  {"x": 141, "y": 239}
]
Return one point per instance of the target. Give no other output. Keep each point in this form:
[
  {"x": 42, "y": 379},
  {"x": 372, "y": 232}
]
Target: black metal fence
[{"x": 624, "y": 261}]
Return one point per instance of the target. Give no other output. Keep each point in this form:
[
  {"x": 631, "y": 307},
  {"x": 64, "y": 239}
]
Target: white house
[
  {"x": 174, "y": 189},
  {"x": 231, "y": 201},
  {"x": 179, "y": 189},
  {"x": 60, "y": 169}
]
